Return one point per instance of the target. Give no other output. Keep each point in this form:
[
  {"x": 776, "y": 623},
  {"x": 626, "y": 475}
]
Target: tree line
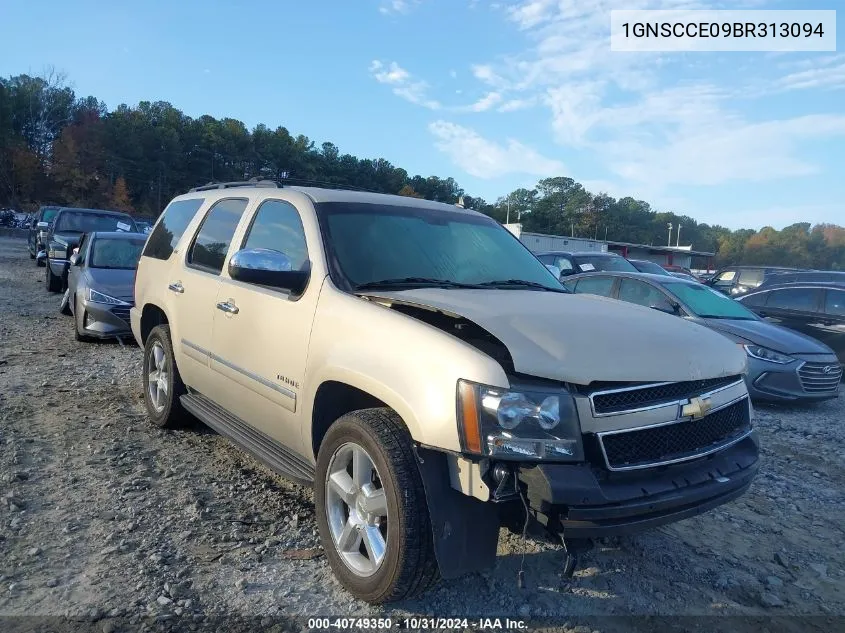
[{"x": 56, "y": 147}]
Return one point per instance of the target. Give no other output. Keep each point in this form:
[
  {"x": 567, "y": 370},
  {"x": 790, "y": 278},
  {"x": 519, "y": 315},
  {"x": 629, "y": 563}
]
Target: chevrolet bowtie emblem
[{"x": 696, "y": 408}]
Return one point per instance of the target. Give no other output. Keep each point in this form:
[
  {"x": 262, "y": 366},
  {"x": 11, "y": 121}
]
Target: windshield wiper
[
  {"x": 723, "y": 316},
  {"x": 412, "y": 282},
  {"x": 504, "y": 283}
]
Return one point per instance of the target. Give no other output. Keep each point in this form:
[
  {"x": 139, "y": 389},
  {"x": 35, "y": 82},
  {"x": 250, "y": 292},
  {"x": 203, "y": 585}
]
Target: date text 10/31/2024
[{"x": 416, "y": 624}]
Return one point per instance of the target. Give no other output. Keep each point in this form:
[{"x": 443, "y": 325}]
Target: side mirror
[
  {"x": 74, "y": 259},
  {"x": 43, "y": 225},
  {"x": 266, "y": 267}
]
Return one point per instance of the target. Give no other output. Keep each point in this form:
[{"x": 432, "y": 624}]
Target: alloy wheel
[
  {"x": 356, "y": 508},
  {"x": 157, "y": 378}
]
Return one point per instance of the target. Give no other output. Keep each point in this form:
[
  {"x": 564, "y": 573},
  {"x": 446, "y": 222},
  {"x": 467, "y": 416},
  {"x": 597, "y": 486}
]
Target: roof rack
[{"x": 252, "y": 182}]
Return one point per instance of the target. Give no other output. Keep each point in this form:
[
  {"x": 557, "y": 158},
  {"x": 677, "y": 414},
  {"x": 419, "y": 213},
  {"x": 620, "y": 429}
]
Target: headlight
[
  {"x": 57, "y": 251},
  {"x": 764, "y": 353},
  {"x": 99, "y": 297},
  {"x": 519, "y": 423}
]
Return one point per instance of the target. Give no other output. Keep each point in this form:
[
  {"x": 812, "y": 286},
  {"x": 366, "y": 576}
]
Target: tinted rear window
[
  {"x": 175, "y": 219},
  {"x": 804, "y": 299}
]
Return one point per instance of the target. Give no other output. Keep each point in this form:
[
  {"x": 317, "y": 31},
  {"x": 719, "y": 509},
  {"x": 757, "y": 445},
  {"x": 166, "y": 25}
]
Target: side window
[
  {"x": 642, "y": 294},
  {"x": 278, "y": 227},
  {"x": 755, "y": 300},
  {"x": 595, "y": 286},
  {"x": 546, "y": 259},
  {"x": 175, "y": 219},
  {"x": 835, "y": 302},
  {"x": 726, "y": 278},
  {"x": 751, "y": 277},
  {"x": 215, "y": 234},
  {"x": 798, "y": 299},
  {"x": 563, "y": 263}
]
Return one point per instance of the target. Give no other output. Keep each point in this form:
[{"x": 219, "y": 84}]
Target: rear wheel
[
  {"x": 51, "y": 281},
  {"x": 371, "y": 508},
  {"x": 162, "y": 383}
]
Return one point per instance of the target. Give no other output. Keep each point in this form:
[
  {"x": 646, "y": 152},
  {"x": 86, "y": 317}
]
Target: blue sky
[{"x": 495, "y": 94}]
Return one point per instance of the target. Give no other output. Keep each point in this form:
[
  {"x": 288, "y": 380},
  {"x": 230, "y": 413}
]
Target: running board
[{"x": 261, "y": 446}]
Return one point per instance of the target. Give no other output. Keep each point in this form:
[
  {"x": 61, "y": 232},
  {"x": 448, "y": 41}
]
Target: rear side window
[
  {"x": 640, "y": 293},
  {"x": 278, "y": 227},
  {"x": 803, "y": 299},
  {"x": 595, "y": 286},
  {"x": 751, "y": 277},
  {"x": 835, "y": 302},
  {"x": 215, "y": 235},
  {"x": 175, "y": 219}
]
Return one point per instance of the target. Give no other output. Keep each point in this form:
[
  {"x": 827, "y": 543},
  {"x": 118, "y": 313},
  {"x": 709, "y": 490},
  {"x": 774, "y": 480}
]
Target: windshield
[
  {"x": 707, "y": 303},
  {"x": 81, "y": 222},
  {"x": 418, "y": 246},
  {"x": 651, "y": 267},
  {"x": 113, "y": 252},
  {"x": 589, "y": 263}
]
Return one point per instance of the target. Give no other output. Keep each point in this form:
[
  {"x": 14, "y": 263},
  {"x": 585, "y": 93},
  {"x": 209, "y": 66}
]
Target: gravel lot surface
[{"x": 109, "y": 520}]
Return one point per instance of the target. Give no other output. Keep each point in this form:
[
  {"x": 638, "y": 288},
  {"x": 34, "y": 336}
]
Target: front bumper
[
  {"x": 773, "y": 382},
  {"x": 105, "y": 321},
  {"x": 581, "y": 501}
]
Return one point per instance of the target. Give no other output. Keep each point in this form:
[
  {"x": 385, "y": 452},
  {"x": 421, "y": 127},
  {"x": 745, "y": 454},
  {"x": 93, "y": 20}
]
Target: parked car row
[{"x": 783, "y": 364}]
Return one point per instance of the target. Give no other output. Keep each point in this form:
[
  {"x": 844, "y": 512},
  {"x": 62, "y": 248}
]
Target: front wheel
[
  {"x": 163, "y": 385},
  {"x": 371, "y": 508}
]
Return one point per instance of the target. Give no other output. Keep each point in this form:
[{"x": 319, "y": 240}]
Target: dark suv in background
[
  {"x": 817, "y": 309},
  {"x": 39, "y": 224},
  {"x": 574, "y": 263},
  {"x": 65, "y": 233},
  {"x": 737, "y": 280}
]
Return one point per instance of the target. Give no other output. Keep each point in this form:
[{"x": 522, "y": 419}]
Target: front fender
[{"x": 409, "y": 365}]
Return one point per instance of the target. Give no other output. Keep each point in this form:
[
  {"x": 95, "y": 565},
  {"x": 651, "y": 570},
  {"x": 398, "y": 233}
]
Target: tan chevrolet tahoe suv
[{"x": 430, "y": 378}]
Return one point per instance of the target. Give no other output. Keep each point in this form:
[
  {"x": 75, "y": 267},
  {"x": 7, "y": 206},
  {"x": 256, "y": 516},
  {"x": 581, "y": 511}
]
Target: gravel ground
[{"x": 108, "y": 520}]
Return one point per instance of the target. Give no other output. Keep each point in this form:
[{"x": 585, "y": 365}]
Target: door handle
[
  {"x": 227, "y": 307},
  {"x": 176, "y": 287}
]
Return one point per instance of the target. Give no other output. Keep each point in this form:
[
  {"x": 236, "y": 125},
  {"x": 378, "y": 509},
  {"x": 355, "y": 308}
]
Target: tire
[
  {"x": 51, "y": 282},
  {"x": 408, "y": 566},
  {"x": 166, "y": 411},
  {"x": 64, "y": 306},
  {"x": 31, "y": 256},
  {"x": 38, "y": 262}
]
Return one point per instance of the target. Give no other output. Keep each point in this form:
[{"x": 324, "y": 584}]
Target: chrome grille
[
  {"x": 676, "y": 441},
  {"x": 820, "y": 377},
  {"x": 639, "y": 397}
]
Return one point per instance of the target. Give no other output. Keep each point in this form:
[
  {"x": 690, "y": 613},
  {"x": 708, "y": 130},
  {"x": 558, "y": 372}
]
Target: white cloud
[
  {"x": 485, "y": 103},
  {"x": 396, "y": 6},
  {"x": 404, "y": 85},
  {"x": 487, "y": 159},
  {"x": 821, "y": 76},
  {"x": 512, "y": 105}
]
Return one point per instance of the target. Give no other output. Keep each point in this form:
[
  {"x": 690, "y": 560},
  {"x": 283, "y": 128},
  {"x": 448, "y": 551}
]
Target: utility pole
[
  {"x": 605, "y": 233},
  {"x": 508, "y": 220},
  {"x": 678, "y": 243},
  {"x": 669, "y": 243}
]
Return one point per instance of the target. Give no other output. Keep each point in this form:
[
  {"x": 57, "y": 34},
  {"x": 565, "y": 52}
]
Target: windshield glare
[
  {"x": 110, "y": 252},
  {"x": 589, "y": 263},
  {"x": 89, "y": 222},
  {"x": 705, "y": 302},
  {"x": 371, "y": 243}
]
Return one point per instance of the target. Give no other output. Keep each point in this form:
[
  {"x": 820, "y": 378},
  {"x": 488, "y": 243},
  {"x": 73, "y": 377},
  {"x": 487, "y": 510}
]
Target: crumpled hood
[
  {"x": 769, "y": 335},
  {"x": 585, "y": 338},
  {"x": 119, "y": 284}
]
